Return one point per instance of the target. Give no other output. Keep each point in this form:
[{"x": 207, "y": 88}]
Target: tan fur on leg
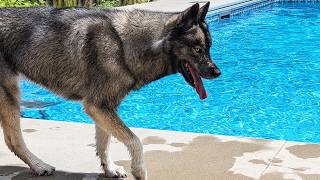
[
  {"x": 102, "y": 146},
  {"x": 109, "y": 121},
  {"x": 10, "y": 121}
]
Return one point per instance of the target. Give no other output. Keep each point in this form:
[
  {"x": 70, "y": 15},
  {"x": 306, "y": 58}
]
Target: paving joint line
[{"x": 277, "y": 153}]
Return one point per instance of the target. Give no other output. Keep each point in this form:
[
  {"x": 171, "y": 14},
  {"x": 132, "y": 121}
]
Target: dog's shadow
[{"x": 22, "y": 173}]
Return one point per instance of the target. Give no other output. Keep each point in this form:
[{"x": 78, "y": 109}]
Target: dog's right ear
[
  {"x": 186, "y": 19},
  {"x": 203, "y": 11}
]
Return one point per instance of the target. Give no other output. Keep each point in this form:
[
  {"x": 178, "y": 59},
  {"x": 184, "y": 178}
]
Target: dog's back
[
  {"x": 58, "y": 48},
  {"x": 16, "y": 26}
]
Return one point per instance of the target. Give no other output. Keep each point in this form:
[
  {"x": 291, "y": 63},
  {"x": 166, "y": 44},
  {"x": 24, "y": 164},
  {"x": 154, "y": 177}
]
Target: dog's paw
[
  {"x": 139, "y": 173},
  {"x": 115, "y": 171},
  {"x": 43, "y": 169}
]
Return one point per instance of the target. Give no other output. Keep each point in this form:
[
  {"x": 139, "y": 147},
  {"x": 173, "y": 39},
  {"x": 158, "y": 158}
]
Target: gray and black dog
[{"x": 98, "y": 56}]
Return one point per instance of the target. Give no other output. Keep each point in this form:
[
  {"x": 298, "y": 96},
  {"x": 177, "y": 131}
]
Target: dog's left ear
[{"x": 203, "y": 11}]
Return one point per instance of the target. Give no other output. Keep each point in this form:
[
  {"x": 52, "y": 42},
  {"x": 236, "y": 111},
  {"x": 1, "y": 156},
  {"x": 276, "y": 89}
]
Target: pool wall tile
[{"x": 242, "y": 7}]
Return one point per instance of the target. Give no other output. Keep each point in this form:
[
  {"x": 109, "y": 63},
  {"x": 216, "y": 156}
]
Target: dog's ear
[
  {"x": 188, "y": 18},
  {"x": 203, "y": 11}
]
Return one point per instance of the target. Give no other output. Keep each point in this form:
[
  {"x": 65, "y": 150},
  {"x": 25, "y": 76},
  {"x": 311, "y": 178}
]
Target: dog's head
[{"x": 189, "y": 42}]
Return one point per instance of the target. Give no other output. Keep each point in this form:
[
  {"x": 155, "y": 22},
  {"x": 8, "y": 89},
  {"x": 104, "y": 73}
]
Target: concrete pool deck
[{"x": 169, "y": 155}]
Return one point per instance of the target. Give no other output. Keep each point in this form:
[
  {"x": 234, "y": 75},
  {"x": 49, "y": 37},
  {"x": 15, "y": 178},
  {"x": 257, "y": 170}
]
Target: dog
[{"x": 98, "y": 56}]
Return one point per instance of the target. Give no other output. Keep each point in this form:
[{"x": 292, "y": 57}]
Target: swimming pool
[{"x": 269, "y": 88}]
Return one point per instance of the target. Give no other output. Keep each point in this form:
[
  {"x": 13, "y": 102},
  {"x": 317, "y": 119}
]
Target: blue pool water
[{"x": 269, "y": 88}]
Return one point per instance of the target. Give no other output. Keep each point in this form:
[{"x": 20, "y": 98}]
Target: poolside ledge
[
  {"x": 180, "y": 5},
  {"x": 169, "y": 155}
]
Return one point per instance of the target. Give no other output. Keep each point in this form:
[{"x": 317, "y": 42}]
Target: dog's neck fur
[{"x": 145, "y": 48}]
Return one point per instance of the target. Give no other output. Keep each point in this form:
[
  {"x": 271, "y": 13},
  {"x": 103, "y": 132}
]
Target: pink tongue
[{"x": 198, "y": 84}]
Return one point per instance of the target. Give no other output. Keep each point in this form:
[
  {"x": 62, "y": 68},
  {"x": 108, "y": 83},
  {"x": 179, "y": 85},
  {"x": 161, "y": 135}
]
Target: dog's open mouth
[{"x": 194, "y": 79}]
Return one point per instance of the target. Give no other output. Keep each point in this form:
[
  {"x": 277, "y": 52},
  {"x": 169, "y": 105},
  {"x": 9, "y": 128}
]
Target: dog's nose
[
  {"x": 216, "y": 72},
  {"x": 210, "y": 72}
]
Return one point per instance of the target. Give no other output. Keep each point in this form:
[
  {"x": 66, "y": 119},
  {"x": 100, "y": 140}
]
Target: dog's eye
[{"x": 198, "y": 50}]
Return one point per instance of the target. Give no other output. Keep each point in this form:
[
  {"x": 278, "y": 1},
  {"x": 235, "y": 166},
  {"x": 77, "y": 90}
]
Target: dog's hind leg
[
  {"x": 102, "y": 146},
  {"x": 108, "y": 120},
  {"x": 10, "y": 121}
]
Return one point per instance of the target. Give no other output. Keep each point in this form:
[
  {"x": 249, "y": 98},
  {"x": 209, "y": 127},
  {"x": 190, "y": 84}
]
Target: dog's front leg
[
  {"x": 111, "y": 170},
  {"x": 108, "y": 120}
]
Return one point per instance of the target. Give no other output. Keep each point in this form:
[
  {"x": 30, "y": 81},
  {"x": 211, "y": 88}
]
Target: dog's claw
[
  {"x": 44, "y": 170},
  {"x": 116, "y": 172}
]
